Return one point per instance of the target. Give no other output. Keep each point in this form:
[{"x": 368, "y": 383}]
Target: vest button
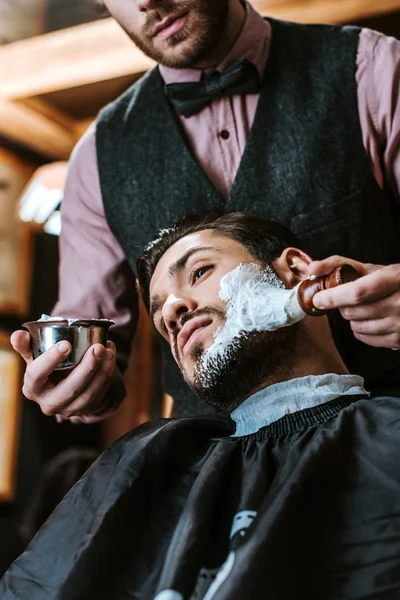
[{"x": 224, "y": 134}]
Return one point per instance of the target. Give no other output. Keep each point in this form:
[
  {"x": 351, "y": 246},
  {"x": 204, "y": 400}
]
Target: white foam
[
  {"x": 70, "y": 321},
  {"x": 256, "y": 301}
]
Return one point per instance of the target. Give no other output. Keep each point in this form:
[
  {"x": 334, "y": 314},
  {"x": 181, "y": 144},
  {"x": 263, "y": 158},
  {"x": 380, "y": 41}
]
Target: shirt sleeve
[
  {"x": 378, "y": 85},
  {"x": 95, "y": 279}
]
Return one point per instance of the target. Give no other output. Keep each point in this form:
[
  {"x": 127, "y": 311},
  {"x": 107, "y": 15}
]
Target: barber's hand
[
  {"x": 371, "y": 303},
  {"x": 79, "y": 395}
]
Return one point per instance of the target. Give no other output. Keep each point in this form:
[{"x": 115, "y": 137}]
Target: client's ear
[{"x": 292, "y": 266}]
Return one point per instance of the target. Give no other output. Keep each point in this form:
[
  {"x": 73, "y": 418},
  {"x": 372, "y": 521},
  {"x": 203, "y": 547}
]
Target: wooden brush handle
[{"x": 309, "y": 287}]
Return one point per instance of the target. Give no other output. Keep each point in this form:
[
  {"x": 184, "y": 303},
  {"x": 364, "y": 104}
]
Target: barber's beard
[
  {"x": 206, "y": 23},
  {"x": 251, "y": 362}
]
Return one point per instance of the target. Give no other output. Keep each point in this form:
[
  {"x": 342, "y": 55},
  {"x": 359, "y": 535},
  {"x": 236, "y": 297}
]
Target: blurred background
[{"x": 60, "y": 62}]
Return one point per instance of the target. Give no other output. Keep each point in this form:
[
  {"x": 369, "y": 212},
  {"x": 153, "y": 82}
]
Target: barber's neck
[{"x": 234, "y": 26}]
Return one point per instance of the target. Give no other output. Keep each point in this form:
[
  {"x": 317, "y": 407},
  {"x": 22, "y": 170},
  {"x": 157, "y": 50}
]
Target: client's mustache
[{"x": 210, "y": 310}]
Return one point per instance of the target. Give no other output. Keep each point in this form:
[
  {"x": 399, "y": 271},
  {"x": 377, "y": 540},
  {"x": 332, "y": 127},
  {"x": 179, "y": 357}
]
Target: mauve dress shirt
[{"x": 103, "y": 284}]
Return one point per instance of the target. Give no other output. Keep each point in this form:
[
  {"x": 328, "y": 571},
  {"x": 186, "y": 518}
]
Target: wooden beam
[
  {"x": 325, "y": 11},
  {"x": 70, "y": 58},
  {"x": 101, "y": 51},
  {"x": 24, "y": 125},
  {"x": 43, "y": 108},
  {"x": 82, "y": 126}
]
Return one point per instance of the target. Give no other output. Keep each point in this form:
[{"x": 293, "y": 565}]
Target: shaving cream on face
[{"x": 256, "y": 301}]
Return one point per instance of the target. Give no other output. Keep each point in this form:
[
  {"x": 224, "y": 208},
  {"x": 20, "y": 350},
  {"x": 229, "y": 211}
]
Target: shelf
[{"x": 54, "y": 84}]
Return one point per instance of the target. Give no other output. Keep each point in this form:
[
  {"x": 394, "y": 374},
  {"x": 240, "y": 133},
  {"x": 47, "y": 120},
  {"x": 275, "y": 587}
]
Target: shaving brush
[{"x": 309, "y": 287}]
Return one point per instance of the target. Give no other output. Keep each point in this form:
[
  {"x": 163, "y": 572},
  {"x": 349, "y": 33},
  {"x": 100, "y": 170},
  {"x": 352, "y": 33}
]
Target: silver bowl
[{"x": 80, "y": 334}]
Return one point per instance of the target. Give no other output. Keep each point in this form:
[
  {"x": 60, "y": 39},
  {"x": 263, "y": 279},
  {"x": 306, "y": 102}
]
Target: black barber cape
[{"x": 306, "y": 508}]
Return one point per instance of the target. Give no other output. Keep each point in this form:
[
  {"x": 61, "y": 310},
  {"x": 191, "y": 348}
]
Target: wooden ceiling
[{"x": 53, "y": 85}]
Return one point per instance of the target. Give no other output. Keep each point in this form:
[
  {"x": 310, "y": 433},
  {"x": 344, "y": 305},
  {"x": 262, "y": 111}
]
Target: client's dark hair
[{"x": 264, "y": 239}]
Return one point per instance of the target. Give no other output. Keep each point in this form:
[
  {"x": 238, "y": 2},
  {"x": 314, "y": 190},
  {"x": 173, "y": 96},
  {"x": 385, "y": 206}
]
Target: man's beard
[
  {"x": 251, "y": 362},
  {"x": 213, "y": 311},
  {"x": 205, "y": 28}
]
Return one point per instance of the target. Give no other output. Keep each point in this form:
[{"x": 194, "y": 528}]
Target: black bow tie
[{"x": 241, "y": 77}]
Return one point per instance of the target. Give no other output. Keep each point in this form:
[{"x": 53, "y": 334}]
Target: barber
[{"x": 301, "y": 123}]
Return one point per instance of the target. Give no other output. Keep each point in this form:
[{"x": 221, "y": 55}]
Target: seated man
[{"x": 295, "y": 495}]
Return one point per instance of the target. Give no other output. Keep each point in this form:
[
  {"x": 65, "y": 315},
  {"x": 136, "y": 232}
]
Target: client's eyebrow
[{"x": 179, "y": 265}]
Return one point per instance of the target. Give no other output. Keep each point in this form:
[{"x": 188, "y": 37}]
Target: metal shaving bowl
[{"x": 80, "y": 334}]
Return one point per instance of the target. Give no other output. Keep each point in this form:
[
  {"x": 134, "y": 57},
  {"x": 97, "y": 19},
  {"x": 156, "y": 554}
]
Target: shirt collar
[
  {"x": 253, "y": 43},
  {"x": 280, "y": 399}
]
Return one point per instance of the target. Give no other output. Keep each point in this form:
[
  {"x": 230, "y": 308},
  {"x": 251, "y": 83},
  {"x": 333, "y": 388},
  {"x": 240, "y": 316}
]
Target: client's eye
[{"x": 199, "y": 272}]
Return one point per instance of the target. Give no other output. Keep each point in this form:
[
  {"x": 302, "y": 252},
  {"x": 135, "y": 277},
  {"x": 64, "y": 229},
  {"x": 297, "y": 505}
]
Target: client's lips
[{"x": 190, "y": 331}]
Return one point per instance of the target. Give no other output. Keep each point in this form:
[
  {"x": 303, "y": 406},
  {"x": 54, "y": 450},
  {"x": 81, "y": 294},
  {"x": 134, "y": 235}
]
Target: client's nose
[{"x": 174, "y": 308}]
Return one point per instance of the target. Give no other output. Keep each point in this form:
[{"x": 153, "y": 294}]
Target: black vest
[{"x": 304, "y": 165}]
